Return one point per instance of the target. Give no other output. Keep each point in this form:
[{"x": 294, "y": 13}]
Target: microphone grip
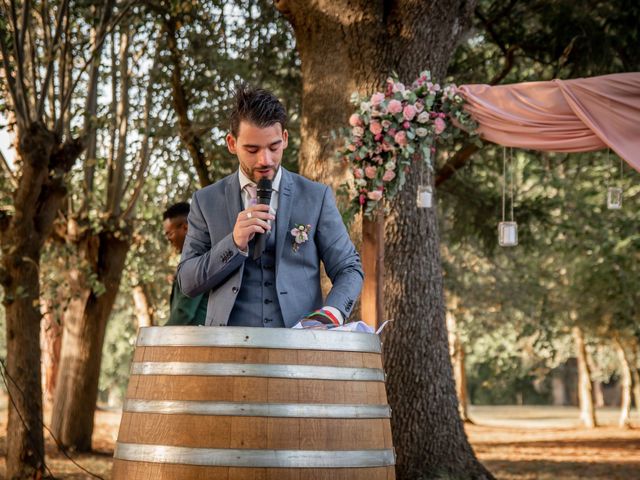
[{"x": 261, "y": 238}]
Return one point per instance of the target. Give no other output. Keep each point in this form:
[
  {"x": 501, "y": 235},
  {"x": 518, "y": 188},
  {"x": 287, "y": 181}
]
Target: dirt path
[{"x": 516, "y": 443}]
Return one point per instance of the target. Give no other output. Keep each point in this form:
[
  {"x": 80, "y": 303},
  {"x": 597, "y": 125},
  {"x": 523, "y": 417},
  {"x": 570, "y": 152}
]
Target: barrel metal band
[
  {"x": 282, "y": 338},
  {"x": 295, "y": 410},
  {"x": 214, "y": 457},
  {"x": 258, "y": 370}
]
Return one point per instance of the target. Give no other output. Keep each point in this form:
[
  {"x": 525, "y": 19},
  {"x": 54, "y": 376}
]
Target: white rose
[
  {"x": 423, "y": 117},
  {"x": 390, "y": 165},
  {"x": 422, "y": 132},
  {"x": 365, "y": 106},
  {"x": 360, "y": 182},
  {"x": 357, "y": 131}
]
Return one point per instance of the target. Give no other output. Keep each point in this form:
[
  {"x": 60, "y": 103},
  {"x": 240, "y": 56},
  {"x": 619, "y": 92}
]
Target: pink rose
[
  {"x": 395, "y": 106},
  {"x": 362, "y": 198},
  {"x": 377, "y": 99},
  {"x": 406, "y": 125},
  {"x": 419, "y": 107},
  {"x": 375, "y": 128},
  {"x": 409, "y": 112},
  {"x": 378, "y": 159},
  {"x": 351, "y": 147},
  {"x": 388, "y": 176},
  {"x": 358, "y": 173},
  {"x": 375, "y": 195},
  {"x": 386, "y": 123},
  {"x": 440, "y": 125},
  {"x": 401, "y": 138},
  {"x": 355, "y": 120},
  {"x": 398, "y": 87},
  {"x": 370, "y": 171}
]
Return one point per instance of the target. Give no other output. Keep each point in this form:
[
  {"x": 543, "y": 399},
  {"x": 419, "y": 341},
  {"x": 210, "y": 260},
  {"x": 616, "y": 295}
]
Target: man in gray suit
[{"x": 302, "y": 226}]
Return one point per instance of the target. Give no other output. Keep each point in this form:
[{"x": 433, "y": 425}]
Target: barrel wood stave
[{"x": 292, "y": 408}]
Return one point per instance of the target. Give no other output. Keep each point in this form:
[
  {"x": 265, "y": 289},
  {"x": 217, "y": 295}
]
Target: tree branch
[
  {"x": 74, "y": 83},
  {"x": 10, "y": 173},
  {"x": 18, "y": 53},
  {"x": 11, "y": 85},
  {"x": 455, "y": 163},
  {"x": 191, "y": 141},
  {"x": 53, "y": 46}
]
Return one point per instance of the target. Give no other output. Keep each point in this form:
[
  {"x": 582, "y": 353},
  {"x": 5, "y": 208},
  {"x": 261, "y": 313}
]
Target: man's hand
[{"x": 249, "y": 222}]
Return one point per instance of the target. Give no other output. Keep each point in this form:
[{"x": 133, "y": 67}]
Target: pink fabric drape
[{"x": 579, "y": 115}]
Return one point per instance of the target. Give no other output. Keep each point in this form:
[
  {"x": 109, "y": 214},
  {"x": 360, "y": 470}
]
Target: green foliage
[{"x": 576, "y": 262}]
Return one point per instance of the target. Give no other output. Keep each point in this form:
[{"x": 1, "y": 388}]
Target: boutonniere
[{"x": 300, "y": 234}]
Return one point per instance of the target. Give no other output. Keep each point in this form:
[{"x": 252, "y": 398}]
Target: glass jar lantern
[
  {"x": 425, "y": 196},
  {"x": 614, "y": 198},
  {"x": 508, "y": 234}
]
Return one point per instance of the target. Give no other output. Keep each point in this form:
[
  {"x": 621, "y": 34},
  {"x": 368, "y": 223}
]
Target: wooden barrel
[{"x": 255, "y": 403}]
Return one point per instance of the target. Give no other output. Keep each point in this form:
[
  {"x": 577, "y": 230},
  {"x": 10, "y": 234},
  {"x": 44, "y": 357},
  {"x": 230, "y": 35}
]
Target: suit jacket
[{"x": 212, "y": 263}]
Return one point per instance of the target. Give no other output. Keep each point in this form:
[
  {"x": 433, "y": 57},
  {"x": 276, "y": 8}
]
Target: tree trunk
[
  {"x": 36, "y": 201},
  {"x": 585, "y": 391},
  {"x": 352, "y": 45},
  {"x": 635, "y": 374},
  {"x": 84, "y": 328},
  {"x": 50, "y": 342},
  {"x": 372, "y": 298},
  {"x": 456, "y": 351},
  {"x": 625, "y": 384},
  {"x": 143, "y": 308}
]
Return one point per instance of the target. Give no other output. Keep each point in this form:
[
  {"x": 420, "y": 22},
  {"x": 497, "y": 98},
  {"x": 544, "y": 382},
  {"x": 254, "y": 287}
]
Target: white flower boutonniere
[{"x": 300, "y": 234}]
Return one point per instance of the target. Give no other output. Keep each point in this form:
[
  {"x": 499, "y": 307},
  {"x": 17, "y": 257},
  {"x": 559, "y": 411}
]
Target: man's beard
[{"x": 256, "y": 175}]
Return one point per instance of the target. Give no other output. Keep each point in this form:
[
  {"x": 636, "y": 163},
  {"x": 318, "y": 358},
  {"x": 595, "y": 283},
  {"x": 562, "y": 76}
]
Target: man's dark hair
[
  {"x": 180, "y": 209},
  {"x": 258, "y": 106}
]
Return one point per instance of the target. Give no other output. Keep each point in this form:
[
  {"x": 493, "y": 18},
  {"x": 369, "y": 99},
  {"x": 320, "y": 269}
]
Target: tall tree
[
  {"x": 98, "y": 228},
  {"x": 351, "y": 46},
  {"x": 39, "y": 43}
]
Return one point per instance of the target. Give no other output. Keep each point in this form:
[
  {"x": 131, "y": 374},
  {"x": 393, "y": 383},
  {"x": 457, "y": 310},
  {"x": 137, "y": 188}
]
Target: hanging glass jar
[{"x": 507, "y": 230}]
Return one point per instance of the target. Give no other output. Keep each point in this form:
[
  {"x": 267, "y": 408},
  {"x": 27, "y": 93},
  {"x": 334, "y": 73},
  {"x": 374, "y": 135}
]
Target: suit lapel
[
  {"x": 283, "y": 214},
  {"x": 234, "y": 199}
]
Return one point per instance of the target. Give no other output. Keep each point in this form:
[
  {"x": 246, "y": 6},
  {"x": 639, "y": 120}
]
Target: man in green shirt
[{"x": 184, "y": 310}]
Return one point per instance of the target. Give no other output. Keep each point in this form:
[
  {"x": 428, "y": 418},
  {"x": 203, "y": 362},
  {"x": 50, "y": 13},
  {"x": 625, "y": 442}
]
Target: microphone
[{"x": 263, "y": 191}]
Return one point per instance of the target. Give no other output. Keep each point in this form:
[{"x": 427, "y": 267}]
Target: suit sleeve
[
  {"x": 202, "y": 266},
  {"x": 340, "y": 257}
]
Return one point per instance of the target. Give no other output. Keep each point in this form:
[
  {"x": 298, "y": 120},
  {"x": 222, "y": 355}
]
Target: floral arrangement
[{"x": 391, "y": 130}]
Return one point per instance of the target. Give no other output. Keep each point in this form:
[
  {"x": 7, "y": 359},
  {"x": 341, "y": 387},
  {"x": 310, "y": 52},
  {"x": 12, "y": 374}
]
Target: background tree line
[{"x": 118, "y": 110}]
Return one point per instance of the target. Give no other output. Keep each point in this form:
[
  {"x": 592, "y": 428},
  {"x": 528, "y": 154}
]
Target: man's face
[
  {"x": 175, "y": 231},
  {"x": 259, "y": 150}
]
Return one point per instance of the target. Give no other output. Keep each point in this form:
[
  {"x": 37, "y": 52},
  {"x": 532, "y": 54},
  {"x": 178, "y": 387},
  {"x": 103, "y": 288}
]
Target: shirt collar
[{"x": 244, "y": 180}]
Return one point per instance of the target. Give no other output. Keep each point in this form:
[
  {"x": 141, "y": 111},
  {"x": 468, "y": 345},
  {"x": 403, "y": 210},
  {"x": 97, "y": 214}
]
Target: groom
[{"x": 302, "y": 227}]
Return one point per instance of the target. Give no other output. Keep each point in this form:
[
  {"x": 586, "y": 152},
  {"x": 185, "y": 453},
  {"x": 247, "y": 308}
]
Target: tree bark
[
  {"x": 50, "y": 342},
  {"x": 352, "y": 45},
  {"x": 143, "y": 308},
  {"x": 85, "y": 322},
  {"x": 585, "y": 391},
  {"x": 625, "y": 385}
]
